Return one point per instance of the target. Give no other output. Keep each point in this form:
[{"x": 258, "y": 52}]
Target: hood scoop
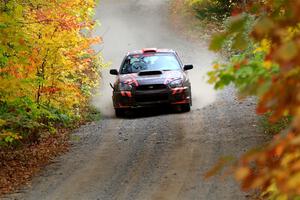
[{"x": 147, "y": 73}]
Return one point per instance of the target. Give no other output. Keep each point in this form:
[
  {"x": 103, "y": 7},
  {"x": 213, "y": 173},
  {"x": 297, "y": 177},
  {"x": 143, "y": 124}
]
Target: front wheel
[
  {"x": 186, "y": 107},
  {"x": 119, "y": 112},
  {"x": 182, "y": 108}
]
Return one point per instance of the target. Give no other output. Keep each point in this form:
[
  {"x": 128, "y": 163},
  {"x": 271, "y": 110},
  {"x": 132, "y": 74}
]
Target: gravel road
[{"x": 157, "y": 154}]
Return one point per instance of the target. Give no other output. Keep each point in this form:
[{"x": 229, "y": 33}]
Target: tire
[
  {"x": 119, "y": 112},
  {"x": 186, "y": 107}
]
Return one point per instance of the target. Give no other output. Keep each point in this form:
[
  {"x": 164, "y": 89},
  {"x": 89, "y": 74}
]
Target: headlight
[
  {"x": 176, "y": 83},
  {"x": 125, "y": 87}
]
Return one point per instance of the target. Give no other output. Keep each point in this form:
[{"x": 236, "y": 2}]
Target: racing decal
[
  {"x": 123, "y": 93},
  {"x": 129, "y": 94},
  {"x": 131, "y": 80},
  {"x": 135, "y": 82},
  {"x": 171, "y": 76},
  {"x": 126, "y": 94},
  {"x": 177, "y": 90},
  {"x": 168, "y": 80},
  {"x": 174, "y": 91}
]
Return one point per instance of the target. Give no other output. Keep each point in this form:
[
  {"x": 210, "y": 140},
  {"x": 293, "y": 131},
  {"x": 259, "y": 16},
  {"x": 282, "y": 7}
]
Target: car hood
[{"x": 151, "y": 77}]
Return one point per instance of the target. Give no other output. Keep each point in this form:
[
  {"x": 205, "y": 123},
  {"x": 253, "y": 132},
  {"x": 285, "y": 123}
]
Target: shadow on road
[{"x": 150, "y": 112}]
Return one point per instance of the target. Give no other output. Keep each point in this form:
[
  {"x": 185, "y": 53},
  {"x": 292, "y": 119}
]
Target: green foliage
[
  {"x": 274, "y": 128},
  {"x": 26, "y": 117},
  {"x": 236, "y": 38},
  {"x": 92, "y": 114},
  {"x": 246, "y": 71}
]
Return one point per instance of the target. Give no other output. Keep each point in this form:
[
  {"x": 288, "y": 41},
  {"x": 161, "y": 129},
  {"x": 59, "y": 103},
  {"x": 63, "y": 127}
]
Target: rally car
[{"x": 151, "y": 77}]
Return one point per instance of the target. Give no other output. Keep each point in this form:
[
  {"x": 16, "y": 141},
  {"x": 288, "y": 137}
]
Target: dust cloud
[
  {"x": 124, "y": 31},
  {"x": 203, "y": 93},
  {"x": 103, "y": 95}
]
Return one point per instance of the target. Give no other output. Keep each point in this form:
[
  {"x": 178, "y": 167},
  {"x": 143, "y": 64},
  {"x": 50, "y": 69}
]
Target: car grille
[
  {"x": 152, "y": 97},
  {"x": 151, "y": 87}
]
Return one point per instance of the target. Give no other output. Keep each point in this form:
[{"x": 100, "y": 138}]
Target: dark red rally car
[{"x": 151, "y": 77}]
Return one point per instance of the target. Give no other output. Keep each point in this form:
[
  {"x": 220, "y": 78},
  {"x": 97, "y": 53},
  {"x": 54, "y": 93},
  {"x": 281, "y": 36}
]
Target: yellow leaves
[
  {"x": 267, "y": 64},
  {"x": 193, "y": 2},
  {"x": 292, "y": 31},
  {"x": 258, "y": 49},
  {"x": 2, "y": 122},
  {"x": 63, "y": 49},
  {"x": 282, "y": 197},
  {"x": 273, "y": 193},
  {"x": 291, "y": 160},
  {"x": 216, "y": 66},
  {"x": 264, "y": 46},
  {"x": 9, "y": 137},
  {"x": 293, "y": 182}
]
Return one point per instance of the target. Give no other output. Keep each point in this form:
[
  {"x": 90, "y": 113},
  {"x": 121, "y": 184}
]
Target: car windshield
[{"x": 157, "y": 61}]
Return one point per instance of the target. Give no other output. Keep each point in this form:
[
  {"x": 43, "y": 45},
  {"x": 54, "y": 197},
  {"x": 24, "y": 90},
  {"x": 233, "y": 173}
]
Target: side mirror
[
  {"x": 188, "y": 67},
  {"x": 114, "y": 72}
]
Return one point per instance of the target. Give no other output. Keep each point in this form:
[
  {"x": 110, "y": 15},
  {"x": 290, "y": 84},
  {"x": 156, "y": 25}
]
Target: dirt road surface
[{"x": 156, "y": 155}]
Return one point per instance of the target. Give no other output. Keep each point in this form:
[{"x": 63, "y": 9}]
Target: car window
[{"x": 137, "y": 63}]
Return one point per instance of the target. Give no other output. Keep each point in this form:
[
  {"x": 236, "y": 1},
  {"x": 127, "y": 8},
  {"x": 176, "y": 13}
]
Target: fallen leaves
[{"x": 18, "y": 165}]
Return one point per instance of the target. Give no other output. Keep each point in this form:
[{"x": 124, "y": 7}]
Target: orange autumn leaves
[
  {"x": 273, "y": 75},
  {"x": 277, "y": 166}
]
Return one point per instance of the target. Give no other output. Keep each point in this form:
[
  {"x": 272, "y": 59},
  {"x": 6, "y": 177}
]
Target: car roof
[{"x": 150, "y": 50}]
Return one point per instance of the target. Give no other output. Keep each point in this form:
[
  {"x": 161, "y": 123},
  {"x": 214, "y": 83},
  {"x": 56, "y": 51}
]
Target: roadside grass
[{"x": 92, "y": 114}]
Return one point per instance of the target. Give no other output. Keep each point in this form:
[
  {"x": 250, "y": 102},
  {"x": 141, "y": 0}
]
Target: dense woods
[
  {"x": 263, "y": 38},
  {"x": 47, "y": 66}
]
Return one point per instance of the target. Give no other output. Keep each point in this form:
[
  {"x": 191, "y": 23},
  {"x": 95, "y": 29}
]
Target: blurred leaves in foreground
[{"x": 266, "y": 38}]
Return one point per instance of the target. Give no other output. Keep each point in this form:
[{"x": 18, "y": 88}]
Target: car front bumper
[{"x": 136, "y": 99}]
